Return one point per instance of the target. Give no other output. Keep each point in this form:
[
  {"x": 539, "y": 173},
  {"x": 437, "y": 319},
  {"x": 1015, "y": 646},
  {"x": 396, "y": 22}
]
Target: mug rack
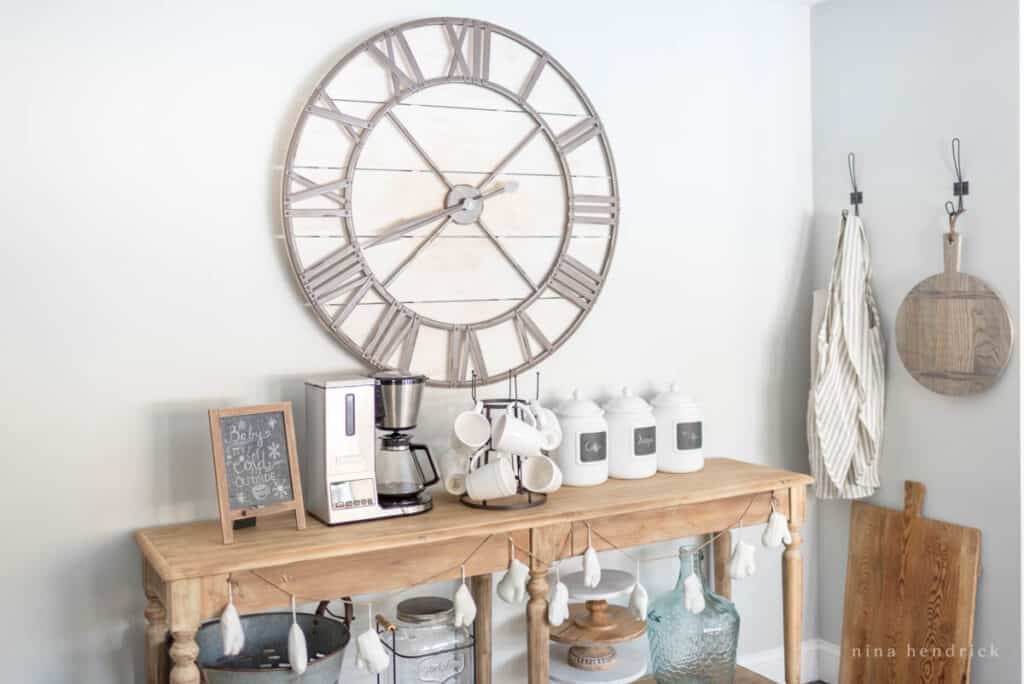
[{"x": 523, "y": 498}]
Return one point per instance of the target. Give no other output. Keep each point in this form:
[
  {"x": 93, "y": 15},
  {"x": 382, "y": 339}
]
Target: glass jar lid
[{"x": 426, "y": 610}]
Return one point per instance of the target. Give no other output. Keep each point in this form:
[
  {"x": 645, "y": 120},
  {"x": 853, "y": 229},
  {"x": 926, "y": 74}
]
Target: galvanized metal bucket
[{"x": 265, "y": 657}]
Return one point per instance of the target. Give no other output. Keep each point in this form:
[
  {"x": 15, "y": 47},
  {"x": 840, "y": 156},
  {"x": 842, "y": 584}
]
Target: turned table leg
[
  {"x": 544, "y": 546},
  {"x": 721, "y": 550},
  {"x": 792, "y": 587},
  {"x": 156, "y": 640},
  {"x": 481, "y": 586},
  {"x": 184, "y": 619}
]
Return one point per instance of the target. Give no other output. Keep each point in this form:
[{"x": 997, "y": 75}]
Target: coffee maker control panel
[{"x": 352, "y": 494}]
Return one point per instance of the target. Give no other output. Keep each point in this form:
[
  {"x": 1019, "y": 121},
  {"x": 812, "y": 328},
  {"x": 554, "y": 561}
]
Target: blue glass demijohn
[{"x": 688, "y": 648}]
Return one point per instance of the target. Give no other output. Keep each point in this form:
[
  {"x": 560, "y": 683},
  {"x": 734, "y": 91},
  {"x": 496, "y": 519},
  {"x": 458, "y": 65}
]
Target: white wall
[
  {"x": 142, "y": 283},
  {"x": 894, "y": 82}
]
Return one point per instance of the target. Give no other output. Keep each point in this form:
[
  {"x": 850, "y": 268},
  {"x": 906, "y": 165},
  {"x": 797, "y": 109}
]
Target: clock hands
[{"x": 397, "y": 231}]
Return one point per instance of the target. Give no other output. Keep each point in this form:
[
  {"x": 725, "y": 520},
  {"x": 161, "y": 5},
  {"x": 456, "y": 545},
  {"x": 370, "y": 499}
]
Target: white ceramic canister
[
  {"x": 632, "y": 437},
  {"x": 681, "y": 431},
  {"x": 583, "y": 453}
]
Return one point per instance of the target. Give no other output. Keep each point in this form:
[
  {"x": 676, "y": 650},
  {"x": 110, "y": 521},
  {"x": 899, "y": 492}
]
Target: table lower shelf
[{"x": 743, "y": 676}]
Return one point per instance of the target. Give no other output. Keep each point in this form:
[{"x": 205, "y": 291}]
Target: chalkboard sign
[{"x": 256, "y": 464}]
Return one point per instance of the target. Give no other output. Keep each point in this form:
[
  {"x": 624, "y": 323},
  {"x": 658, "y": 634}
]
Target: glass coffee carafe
[
  {"x": 400, "y": 475},
  {"x": 688, "y": 648}
]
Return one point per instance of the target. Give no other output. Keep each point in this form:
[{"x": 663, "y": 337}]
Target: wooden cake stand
[{"x": 592, "y": 630}]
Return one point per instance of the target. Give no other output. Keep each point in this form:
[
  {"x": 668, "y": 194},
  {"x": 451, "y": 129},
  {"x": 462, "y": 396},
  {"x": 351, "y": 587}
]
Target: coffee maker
[{"x": 347, "y": 476}]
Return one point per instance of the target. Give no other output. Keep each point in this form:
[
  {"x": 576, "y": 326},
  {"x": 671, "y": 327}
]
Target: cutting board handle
[
  {"x": 913, "y": 499},
  {"x": 951, "y": 252}
]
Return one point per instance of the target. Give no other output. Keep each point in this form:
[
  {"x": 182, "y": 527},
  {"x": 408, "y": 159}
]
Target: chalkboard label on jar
[
  {"x": 256, "y": 460},
  {"x": 689, "y": 436},
  {"x": 645, "y": 441},
  {"x": 593, "y": 447}
]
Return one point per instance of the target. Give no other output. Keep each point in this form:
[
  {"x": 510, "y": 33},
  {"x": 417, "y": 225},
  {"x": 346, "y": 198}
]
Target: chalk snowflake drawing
[
  {"x": 272, "y": 423},
  {"x": 275, "y": 450},
  {"x": 280, "y": 491}
]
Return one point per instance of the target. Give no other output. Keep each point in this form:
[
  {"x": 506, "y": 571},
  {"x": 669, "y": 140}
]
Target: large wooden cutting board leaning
[
  {"x": 911, "y": 585},
  {"x": 953, "y": 332}
]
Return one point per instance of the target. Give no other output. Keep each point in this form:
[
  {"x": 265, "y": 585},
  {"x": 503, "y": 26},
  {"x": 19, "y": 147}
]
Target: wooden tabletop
[{"x": 197, "y": 550}]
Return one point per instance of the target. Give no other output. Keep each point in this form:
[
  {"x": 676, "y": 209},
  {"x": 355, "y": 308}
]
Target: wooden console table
[{"x": 186, "y": 567}]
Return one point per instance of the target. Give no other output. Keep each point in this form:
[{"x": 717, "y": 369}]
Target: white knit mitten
[
  {"x": 370, "y": 654},
  {"x": 741, "y": 565},
  {"x": 512, "y": 587},
  {"x": 693, "y": 594},
  {"x": 558, "y": 605},
  {"x": 777, "y": 531},
  {"x": 297, "y": 655},
  {"x": 465, "y": 606},
  {"x": 232, "y": 636}
]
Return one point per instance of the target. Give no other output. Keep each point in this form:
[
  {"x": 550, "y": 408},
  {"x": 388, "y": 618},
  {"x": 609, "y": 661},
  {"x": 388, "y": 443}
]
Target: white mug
[
  {"x": 541, "y": 474},
  {"x": 454, "y": 465},
  {"x": 495, "y": 480},
  {"x": 547, "y": 423},
  {"x": 516, "y": 436},
  {"x": 471, "y": 427}
]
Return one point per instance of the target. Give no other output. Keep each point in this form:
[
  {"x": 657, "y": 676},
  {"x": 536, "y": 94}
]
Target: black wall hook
[
  {"x": 856, "y": 197},
  {"x": 960, "y": 186}
]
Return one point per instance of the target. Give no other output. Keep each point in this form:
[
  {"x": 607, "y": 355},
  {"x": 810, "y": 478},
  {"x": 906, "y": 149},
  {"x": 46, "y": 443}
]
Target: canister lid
[
  {"x": 627, "y": 403},
  {"x": 426, "y": 610},
  {"x": 673, "y": 397},
  {"x": 577, "y": 407}
]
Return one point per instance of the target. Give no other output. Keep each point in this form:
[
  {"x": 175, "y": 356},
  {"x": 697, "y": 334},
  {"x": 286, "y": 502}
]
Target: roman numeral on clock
[
  {"x": 526, "y": 329},
  {"x": 578, "y": 134},
  {"x": 471, "y": 51},
  {"x": 401, "y": 79},
  {"x": 463, "y": 345},
  {"x": 532, "y": 76},
  {"x": 352, "y": 126},
  {"x": 310, "y": 190},
  {"x": 597, "y": 209},
  {"x": 396, "y": 326},
  {"x": 336, "y": 273},
  {"x": 576, "y": 282}
]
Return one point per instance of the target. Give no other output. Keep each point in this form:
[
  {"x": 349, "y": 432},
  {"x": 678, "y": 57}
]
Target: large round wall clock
[{"x": 450, "y": 201}]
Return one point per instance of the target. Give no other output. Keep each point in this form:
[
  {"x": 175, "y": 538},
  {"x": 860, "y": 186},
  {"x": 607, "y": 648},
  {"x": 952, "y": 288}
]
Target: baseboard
[{"x": 819, "y": 661}]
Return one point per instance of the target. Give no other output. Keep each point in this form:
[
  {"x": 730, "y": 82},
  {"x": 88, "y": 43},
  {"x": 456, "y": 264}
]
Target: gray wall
[
  {"x": 142, "y": 144},
  {"x": 894, "y": 81}
]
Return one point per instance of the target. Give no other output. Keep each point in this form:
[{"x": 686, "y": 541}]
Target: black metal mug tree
[{"x": 523, "y": 498}]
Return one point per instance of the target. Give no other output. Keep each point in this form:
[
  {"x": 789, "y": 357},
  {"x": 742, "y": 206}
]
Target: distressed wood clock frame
[{"x": 338, "y": 282}]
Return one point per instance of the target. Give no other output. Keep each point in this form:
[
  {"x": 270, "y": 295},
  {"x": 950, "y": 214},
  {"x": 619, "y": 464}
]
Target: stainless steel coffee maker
[
  {"x": 402, "y": 480},
  {"x": 348, "y": 473}
]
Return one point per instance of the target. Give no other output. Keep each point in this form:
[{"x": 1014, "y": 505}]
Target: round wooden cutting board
[{"x": 953, "y": 332}]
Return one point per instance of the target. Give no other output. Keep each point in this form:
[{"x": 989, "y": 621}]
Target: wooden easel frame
[{"x": 228, "y": 516}]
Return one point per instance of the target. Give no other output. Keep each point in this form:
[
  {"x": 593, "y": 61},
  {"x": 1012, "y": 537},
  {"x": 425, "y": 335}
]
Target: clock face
[{"x": 450, "y": 202}]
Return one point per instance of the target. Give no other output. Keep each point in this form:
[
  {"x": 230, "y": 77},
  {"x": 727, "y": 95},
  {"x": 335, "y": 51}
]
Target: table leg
[
  {"x": 185, "y": 598},
  {"x": 792, "y": 587},
  {"x": 544, "y": 546},
  {"x": 722, "y": 549},
  {"x": 482, "y": 595},
  {"x": 156, "y": 639}
]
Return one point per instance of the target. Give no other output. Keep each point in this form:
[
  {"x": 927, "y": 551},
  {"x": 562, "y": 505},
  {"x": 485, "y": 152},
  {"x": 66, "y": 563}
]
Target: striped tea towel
[{"x": 846, "y": 403}]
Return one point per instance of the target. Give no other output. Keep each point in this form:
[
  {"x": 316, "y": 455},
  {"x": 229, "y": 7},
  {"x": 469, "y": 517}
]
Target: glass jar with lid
[{"x": 427, "y": 645}]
